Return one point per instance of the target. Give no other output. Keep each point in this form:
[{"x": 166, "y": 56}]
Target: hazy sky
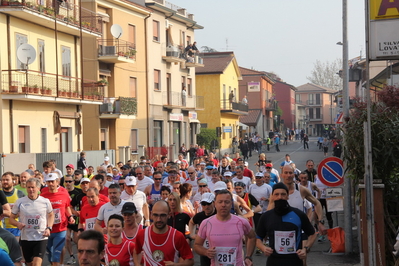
[{"x": 281, "y": 36}]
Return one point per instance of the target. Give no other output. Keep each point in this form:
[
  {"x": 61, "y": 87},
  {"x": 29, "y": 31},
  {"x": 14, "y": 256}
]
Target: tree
[
  {"x": 206, "y": 136},
  {"x": 326, "y": 74}
]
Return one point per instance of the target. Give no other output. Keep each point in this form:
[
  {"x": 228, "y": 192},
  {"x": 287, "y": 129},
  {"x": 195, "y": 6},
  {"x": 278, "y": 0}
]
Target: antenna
[
  {"x": 26, "y": 53},
  {"x": 116, "y": 31}
]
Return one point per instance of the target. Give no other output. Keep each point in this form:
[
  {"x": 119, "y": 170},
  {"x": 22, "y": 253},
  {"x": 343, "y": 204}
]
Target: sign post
[{"x": 331, "y": 172}]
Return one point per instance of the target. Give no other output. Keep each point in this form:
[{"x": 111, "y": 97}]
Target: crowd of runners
[{"x": 161, "y": 212}]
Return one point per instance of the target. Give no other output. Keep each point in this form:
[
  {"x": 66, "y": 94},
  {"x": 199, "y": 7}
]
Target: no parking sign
[{"x": 331, "y": 172}]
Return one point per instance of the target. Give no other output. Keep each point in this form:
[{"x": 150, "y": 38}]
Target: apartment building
[
  {"x": 317, "y": 103},
  {"x": 118, "y": 61},
  {"x": 216, "y": 82},
  {"x": 257, "y": 88},
  {"x": 172, "y": 94},
  {"x": 43, "y": 91}
]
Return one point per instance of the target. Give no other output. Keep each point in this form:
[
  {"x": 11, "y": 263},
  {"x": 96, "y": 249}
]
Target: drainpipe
[
  {"x": 9, "y": 82},
  {"x": 146, "y": 80}
]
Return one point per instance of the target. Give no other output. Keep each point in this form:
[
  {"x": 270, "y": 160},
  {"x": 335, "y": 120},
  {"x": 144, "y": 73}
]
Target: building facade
[
  {"x": 285, "y": 96},
  {"x": 43, "y": 91},
  {"x": 218, "y": 82}
]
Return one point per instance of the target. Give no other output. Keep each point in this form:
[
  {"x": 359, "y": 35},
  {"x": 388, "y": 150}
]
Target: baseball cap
[
  {"x": 208, "y": 197},
  {"x": 109, "y": 174},
  {"x": 209, "y": 167},
  {"x": 130, "y": 181},
  {"x": 203, "y": 181},
  {"x": 51, "y": 177},
  {"x": 129, "y": 207},
  {"x": 178, "y": 162},
  {"x": 246, "y": 163},
  {"x": 84, "y": 179},
  {"x": 220, "y": 185},
  {"x": 227, "y": 173},
  {"x": 259, "y": 174},
  {"x": 70, "y": 166},
  {"x": 269, "y": 165},
  {"x": 78, "y": 172},
  {"x": 106, "y": 158},
  {"x": 202, "y": 163},
  {"x": 126, "y": 166}
]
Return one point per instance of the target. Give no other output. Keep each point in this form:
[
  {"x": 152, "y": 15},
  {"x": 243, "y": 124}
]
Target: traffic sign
[
  {"x": 331, "y": 172},
  {"x": 339, "y": 118}
]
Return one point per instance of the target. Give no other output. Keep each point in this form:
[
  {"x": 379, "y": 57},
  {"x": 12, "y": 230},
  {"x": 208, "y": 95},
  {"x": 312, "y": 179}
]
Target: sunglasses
[
  {"x": 157, "y": 178},
  {"x": 204, "y": 203},
  {"x": 121, "y": 184},
  {"x": 203, "y": 185},
  {"x": 138, "y": 173},
  {"x": 190, "y": 173},
  {"x": 268, "y": 168},
  {"x": 68, "y": 181},
  {"x": 259, "y": 177}
]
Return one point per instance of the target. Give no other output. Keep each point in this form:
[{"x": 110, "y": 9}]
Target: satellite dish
[
  {"x": 26, "y": 53},
  {"x": 116, "y": 31}
]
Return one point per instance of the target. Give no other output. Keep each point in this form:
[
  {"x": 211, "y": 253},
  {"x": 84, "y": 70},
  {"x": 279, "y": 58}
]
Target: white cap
[
  {"x": 208, "y": 197},
  {"x": 220, "y": 185},
  {"x": 106, "y": 158},
  {"x": 259, "y": 174},
  {"x": 228, "y": 173},
  {"x": 52, "y": 177},
  {"x": 246, "y": 163},
  {"x": 130, "y": 181},
  {"x": 84, "y": 179}
]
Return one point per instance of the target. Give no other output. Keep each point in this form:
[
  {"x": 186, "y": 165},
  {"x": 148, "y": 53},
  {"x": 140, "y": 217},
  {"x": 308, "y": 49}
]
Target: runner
[
  {"x": 118, "y": 251},
  {"x": 89, "y": 212},
  {"x": 261, "y": 192},
  {"x": 36, "y": 222},
  {"x": 283, "y": 227},
  {"x": 224, "y": 232},
  {"x": 162, "y": 244},
  {"x": 153, "y": 191},
  {"x": 131, "y": 228},
  {"x": 91, "y": 248},
  {"x": 138, "y": 198},
  {"x": 60, "y": 202}
]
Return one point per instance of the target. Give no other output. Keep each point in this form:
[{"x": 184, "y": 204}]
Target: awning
[{"x": 194, "y": 121}]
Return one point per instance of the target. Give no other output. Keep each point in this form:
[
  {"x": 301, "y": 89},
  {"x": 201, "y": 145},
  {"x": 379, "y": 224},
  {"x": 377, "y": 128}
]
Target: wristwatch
[
  {"x": 307, "y": 249},
  {"x": 322, "y": 222},
  {"x": 49, "y": 228},
  {"x": 248, "y": 257}
]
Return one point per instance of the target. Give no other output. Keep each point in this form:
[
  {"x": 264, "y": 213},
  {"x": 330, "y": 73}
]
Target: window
[
  {"x": 155, "y": 29},
  {"x": 64, "y": 139},
  {"x": 23, "y": 139},
  {"x": 158, "y": 133},
  {"x": 157, "y": 74},
  {"x": 298, "y": 98},
  {"x": 66, "y": 61},
  {"x": 103, "y": 139},
  {"x": 318, "y": 100},
  {"x": 132, "y": 34},
  {"x": 310, "y": 113},
  {"x": 41, "y": 60},
  {"x": 182, "y": 37},
  {"x": 188, "y": 40},
  {"x": 224, "y": 96},
  {"x": 44, "y": 139},
  {"x": 223, "y": 133},
  {"x": 19, "y": 40},
  {"x": 189, "y": 88},
  {"x": 134, "y": 140},
  {"x": 318, "y": 113},
  {"x": 133, "y": 87},
  {"x": 183, "y": 82}
]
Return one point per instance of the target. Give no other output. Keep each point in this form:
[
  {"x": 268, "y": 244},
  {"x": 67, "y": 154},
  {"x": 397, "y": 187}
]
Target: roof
[
  {"x": 215, "y": 63},
  {"x": 309, "y": 87},
  {"x": 252, "y": 118},
  {"x": 381, "y": 79},
  {"x": 252, "y": 72}
]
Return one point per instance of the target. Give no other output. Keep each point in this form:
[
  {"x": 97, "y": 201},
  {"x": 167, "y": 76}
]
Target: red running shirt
[{"x": 119, "y": 255}]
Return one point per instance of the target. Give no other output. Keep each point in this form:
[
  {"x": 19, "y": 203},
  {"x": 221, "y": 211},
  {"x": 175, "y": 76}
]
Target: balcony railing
[
  {"x": 119, "y": 106},
  {"x": 238, "y": 106},
  {"x": 316, "y": 118},
  {"x": 47, "y": 84},
  {"x": 176, "y": 99},
  {"x": 65, "y": 13},
  {"x": 314, "y": 102},
  {"x": 116, "y": 47},
  {"x": 271, "y": 105}
]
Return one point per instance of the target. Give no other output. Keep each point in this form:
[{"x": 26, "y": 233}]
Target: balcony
[
  {"x": 174, "y": 99},
  {"x": 174, "y": 54},
  {"x": 122, "y": 107},
  {"x": 234, "y": 108},
  {"x": 197, "y": 60},
  {"x": 271, "y": 105},
  {"x": 37, "y": 86},
  {"x": 314, "y": 102},
  {"x": 316, "y": 118},
  {"x": 63, "y": 17},
  {"x": 116, "y": 51}
]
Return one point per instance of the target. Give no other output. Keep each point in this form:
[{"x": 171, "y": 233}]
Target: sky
[{"x": 285, "y": 37}]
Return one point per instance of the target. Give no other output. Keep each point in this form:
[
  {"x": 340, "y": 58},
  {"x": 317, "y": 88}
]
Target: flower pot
[
  {"x": 25, "y": 89},
  {"x": 74, "y": 94},
  {"x": 4, "y": 3},
  {"x": 43, "y": 91},
  {"x": 35, "y": 90},
  {"x": 13, "y": 88},
  {"x": 31, "y": 89},
  {"x": 49, "y": 92},
  {"x": 62, "y": 93},
  {"x": 69, "y": 94}
]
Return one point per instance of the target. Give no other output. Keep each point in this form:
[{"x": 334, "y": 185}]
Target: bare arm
[
  {"x": 192, "y": 229},
  {"x": 6, "y": 210},
  {"x": 137, "y": 258},
  {"x": 305, "y": 193},
  {"x": 99, "y": 228},
  {"x": 201, "y": 250},
  {"x": 251, "y": 242},
  {"x": 15, "y": 222},
  {"x": 266, "y": 250},
  {"x": 146, "y": 213}
]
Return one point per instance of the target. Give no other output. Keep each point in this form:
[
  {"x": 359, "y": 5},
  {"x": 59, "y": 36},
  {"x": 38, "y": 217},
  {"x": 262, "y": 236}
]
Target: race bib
[
  {"x": 284, "y": 242},
  {"x": 206, "y": 243},
  {"x": 225, "y": 256},
  {"x": 90, "y": 223},
  {"x": 32, "y": 222},
  {"x": 57, "y": 216}
]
